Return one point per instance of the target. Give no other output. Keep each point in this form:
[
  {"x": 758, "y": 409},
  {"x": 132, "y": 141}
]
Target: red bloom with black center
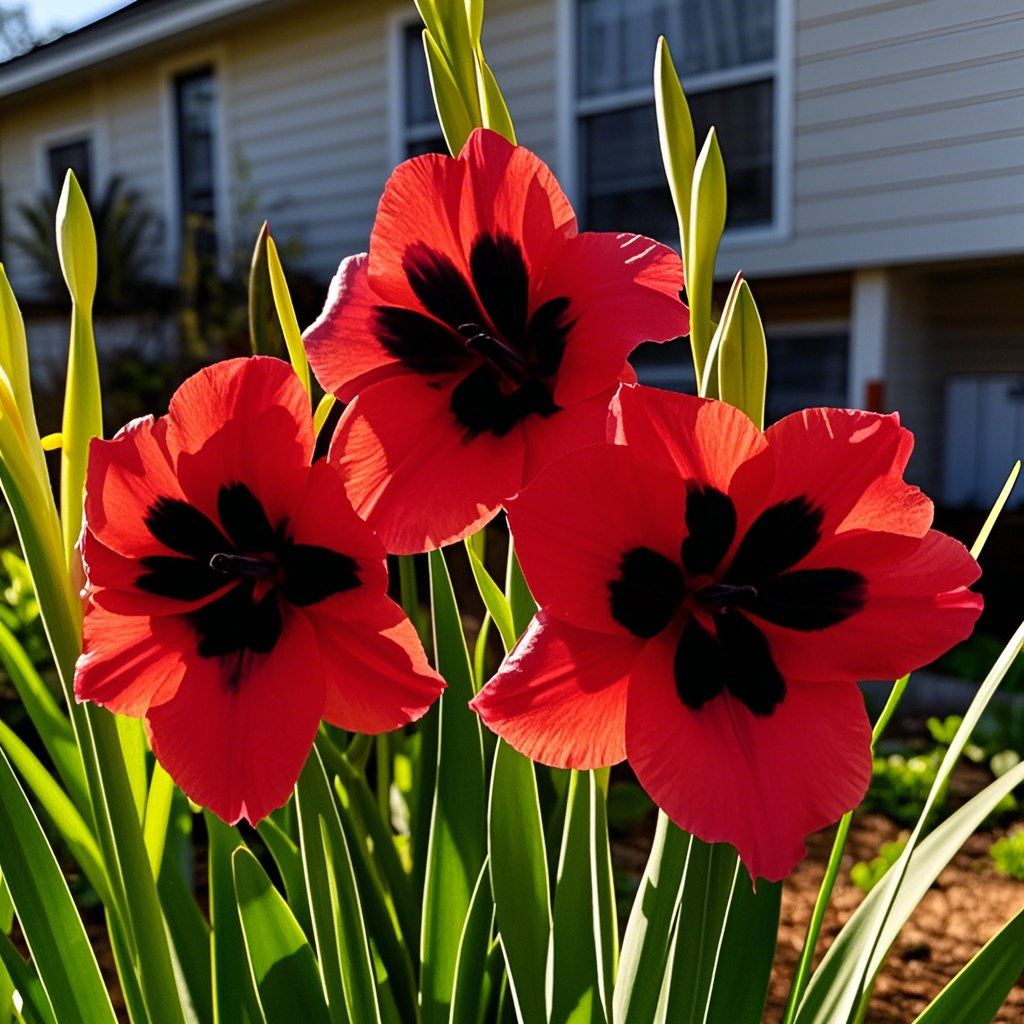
[
  {"x": 234, "y": 596},
  {"x": 481, "y": 337},
  {"x": 710, "y": 595}
]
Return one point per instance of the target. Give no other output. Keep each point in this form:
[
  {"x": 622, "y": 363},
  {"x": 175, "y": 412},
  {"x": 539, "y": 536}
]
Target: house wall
[
  {"x": 909, "y": 135},
  {"x": 308, "y": 117}
]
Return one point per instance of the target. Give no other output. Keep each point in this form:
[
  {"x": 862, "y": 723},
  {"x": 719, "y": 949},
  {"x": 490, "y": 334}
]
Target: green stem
[
  {"x": 357, "y": 753},
  {"x": 803, "y": 970},
  {"x": 383, "y": 776}
]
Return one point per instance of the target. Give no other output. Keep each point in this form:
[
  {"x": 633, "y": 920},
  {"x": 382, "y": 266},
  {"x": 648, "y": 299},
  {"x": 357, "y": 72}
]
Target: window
[
  {"x": 806, "y": 368},
  {"x": 420, "y": 131},
  {"x": 74, "y": 154},
  {"x": 194, "y": 98},
  {"x": 725, "y": 54}
]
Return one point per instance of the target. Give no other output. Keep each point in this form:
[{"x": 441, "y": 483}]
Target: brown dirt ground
[{"x": 968, "y": 904}]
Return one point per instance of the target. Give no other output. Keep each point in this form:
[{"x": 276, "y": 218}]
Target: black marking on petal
[
  {"x": 502, "y": 282},
  {"x": 235, "y": 623},
  {"x": 778, "y": 538},
  {"x": 439, "y": 285},
  {"x": 418, "y": 341},
  {"x": 697, "y": 666},
  {"x": 750, "y": 674},
  {"x": 242, "y": 516},
  {"x": 546, "y": 336},
  {"x": 809, "y": 599},
  {"x": 183, "y": 579},
  {"x": 182, "y": 528},
  {"x": 312, "y": 573},
  {"x": 479, "y": 404},
  {"x": 711, "y": 526},
  {"x": 647, "y": 593}
]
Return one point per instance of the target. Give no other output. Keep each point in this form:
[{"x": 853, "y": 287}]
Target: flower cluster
[{"x": 709, "y": 594}]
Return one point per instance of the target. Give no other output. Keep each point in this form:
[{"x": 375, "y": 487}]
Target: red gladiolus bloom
[
  {"x": 234, "y": 596},
  {"x": 710, "y": 595},
  {"x": 481, "y": 337}
]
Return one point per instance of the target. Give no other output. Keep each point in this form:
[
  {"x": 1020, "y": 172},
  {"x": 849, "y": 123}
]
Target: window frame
[
  {"x": 571, "y": 108},
  {"x": 71, "y": 132}
]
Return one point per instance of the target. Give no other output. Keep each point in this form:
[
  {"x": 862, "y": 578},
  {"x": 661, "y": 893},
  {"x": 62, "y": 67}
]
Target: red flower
[
  {"x": 709, "y": 596},
  {"x": 234, "y": 596},
  {"x": 480, "y": 338}
]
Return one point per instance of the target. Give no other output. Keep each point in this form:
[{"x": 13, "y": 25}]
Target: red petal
[
  {"x": 413, "y": 473},
  {"x": 238, "y": 747},
  {"x": 576, "y": 426},
  {"x": 761, "y": 784},
  {"x": 343, "y": 350},
  {"x": 560, "y": 696},
  {"x": 574, "y": 523},
  {"x": 324, "y": 516},
  {"x": 916, "y": 608},
  {"x": 245, "y": 421},
  {"x": 130, "y": 662},
  {"x": 851, "y": 464},
  {"x": 708, "y": 442},
  {"x": 623, "y": 290},
  {"x": 377, "y": 675},
  {"x": 126, "y": 475}
]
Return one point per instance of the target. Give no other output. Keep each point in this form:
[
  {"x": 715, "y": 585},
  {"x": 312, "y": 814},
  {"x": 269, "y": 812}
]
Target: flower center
[{"x": 721, "y": 647}]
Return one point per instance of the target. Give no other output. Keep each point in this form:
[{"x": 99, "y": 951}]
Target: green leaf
[
  {"x": 724, "y": 946},
  {"x": 458, "y": 826},
  {"x": 519, "y": 882},
  {"x": 234, "y": 994},
  {"x": 59, "y": 810},
  {"x": 157, "y": 816},
  {"x": 742, "y": 354},
  {"x": 838, "y": 984},
  {"x": 7, "y": 985},
  {"x": 469, "y": 996},
  {"x": 323, "y": 410},
  {"x": 707, "y": 222},
  {"x": 288, "y": 859},
  {"x": 495, "y": 111},
  {"x": 35, "y": 1006},
  {"x": 517, "y": 590},
  {"x": 50, "y": 923},
  {"x": 675, "y": 132},
  {"x": 584, "y": 944},
  {"x": 83, "y": 416},
  {"x": 265, "y": 334},
  {"x": 14, "y": 361},
  {"x": 286, "y": 315},
  {"x": 994, "y": 513},
  {"x": 51, "y": 723},
  {"x": 457, "y": 121},
  {"x": 190, "y": 935},
  {"x": 132, "y": 734},
  {"x": 494, "y": 600},
  {"x": 346, "y": 965},
  {"x": 976, "y": 993},
  {"x": 645, "y": 946},
  {"x": 280, "y": 958},
  {"x": 76, "y": 242}
]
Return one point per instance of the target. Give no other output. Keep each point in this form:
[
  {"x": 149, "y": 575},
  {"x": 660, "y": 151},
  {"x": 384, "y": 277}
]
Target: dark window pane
[
  {"x": 431, "y": 144},
  {"x": 74, "y": 155},
  {"x": 804, "y": 371},
  {"x": 419, "y": 100},
  {"x": 195, "y": 95},
  {"x": 616, "y": 38},
  {"x": 623, "y": 179}
]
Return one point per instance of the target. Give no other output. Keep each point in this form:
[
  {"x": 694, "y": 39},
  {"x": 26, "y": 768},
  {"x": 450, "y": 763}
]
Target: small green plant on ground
[{"x": 1008, "y": 854}]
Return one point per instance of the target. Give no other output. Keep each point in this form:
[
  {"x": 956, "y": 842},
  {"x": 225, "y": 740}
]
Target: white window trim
[
  {"x": 215, "y": 58},
  {"x": 570, "y": 108},
  {"x": 92, "y": 129}
]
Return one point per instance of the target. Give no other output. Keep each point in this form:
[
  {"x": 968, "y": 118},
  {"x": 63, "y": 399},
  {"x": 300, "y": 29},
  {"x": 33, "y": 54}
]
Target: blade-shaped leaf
[
  {"x": 191, "y": 937},
  {"x": 834, "y": 990},
  {"x": 457, "y": 121},
  {"x": 289, "y": 862},
  {"x": 346, "y": 965},
  {"x": 645, "y": 946},
  {"x": 582, "y": 982},
  {"x": 517, "y": 590},
  {"x": 742, "y": 354},
  {"x": 265, "y": 334},
  {"x": 494, "y": 600},
  {"x": 36, "y": 1007},
  {"x": 458, "y": 826},
  {"x": 469, "y": 996},
  {"x": 286, "y": 315},
  {"x": 519, "y": 882},
  {"x": 976, "y": 993},
  {"x": 675, "y": 132},
  {"x": 280, "y": 959},
  {"x": 50, "y": 923}
]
